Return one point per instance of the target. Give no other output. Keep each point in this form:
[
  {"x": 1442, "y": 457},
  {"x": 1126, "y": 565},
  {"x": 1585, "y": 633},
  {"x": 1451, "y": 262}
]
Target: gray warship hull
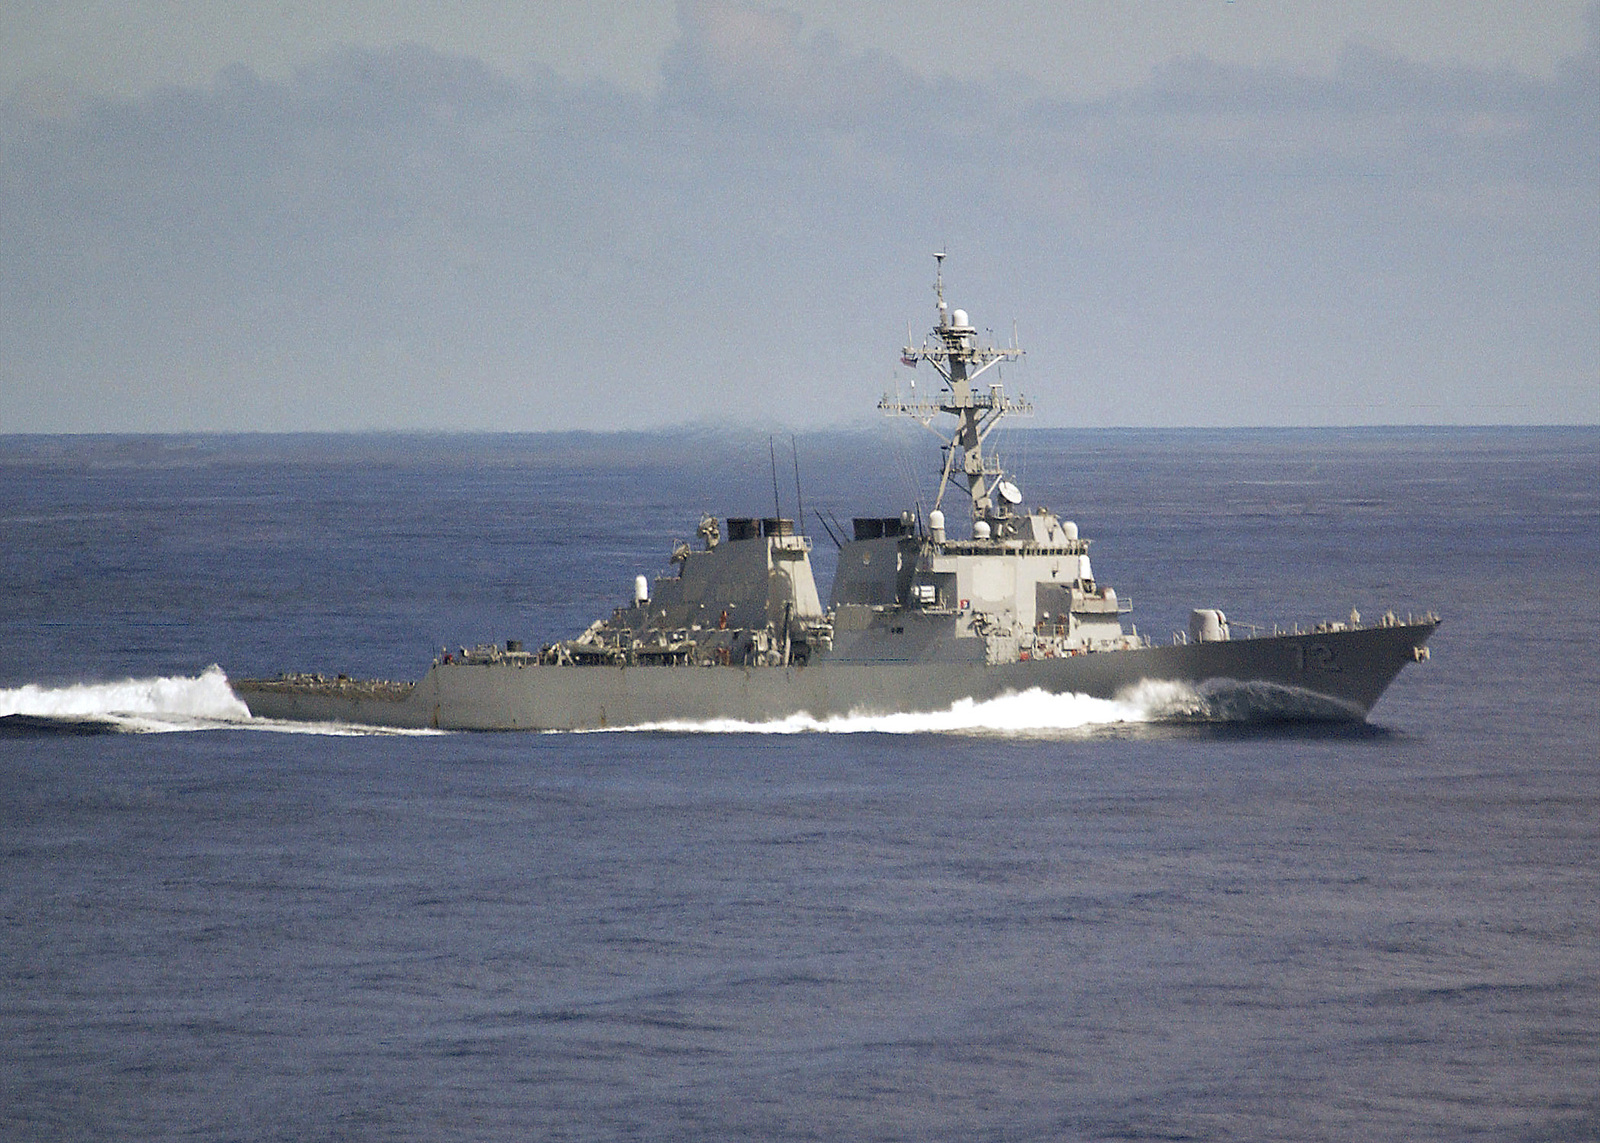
[{"x": 1317, "y": 676}]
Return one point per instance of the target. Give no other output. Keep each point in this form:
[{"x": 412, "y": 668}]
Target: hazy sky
[
  {"x": 495, "y": 215},
  {"x": 1076, "y": 47}
]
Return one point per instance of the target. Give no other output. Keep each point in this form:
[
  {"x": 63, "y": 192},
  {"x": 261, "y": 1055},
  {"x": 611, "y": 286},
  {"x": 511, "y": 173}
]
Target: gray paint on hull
[{"x": 1350, "y": 668}]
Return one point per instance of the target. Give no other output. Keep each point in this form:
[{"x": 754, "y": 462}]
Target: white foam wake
[
  {"x": 1032, "y": 712},
  {"x": 206, "y": 702},
  {"x": 158, "y": 705},
  {"x": 168, "y": 703}
]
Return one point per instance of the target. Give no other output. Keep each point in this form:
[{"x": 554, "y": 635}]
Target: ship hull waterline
[{"x": 1315, "y": 676}]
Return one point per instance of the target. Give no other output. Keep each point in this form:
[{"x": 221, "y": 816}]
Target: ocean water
[{"x": 1040, "y": 919}]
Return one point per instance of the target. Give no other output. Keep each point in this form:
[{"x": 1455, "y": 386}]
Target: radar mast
[{"x": 953, "y": 349}]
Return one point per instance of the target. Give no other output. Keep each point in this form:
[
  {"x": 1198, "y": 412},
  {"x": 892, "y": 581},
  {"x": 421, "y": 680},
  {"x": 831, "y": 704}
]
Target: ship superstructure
[
  {"x": 1018, "y": 585},
  {"x": 747, "y": 601}
]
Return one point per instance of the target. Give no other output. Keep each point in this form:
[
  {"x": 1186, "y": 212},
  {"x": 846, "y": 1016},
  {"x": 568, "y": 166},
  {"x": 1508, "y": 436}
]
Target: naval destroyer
[{"x": 918, "y": 618}]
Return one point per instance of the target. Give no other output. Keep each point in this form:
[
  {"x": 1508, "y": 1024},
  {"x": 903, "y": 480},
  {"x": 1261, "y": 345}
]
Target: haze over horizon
[{"x": 605, "y": 215}]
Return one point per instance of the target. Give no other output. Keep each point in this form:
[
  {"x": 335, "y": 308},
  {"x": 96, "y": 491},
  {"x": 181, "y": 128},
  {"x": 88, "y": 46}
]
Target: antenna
[
  {"x": 777, "y": 509},
  {"x": 837, "y": 523},
  {"x": 799, "y": 500},
  {"x": 824, "y": 520}
]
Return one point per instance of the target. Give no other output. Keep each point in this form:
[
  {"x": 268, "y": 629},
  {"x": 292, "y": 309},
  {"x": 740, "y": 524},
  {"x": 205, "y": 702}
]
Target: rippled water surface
[{"x": 1033, "y": 923}]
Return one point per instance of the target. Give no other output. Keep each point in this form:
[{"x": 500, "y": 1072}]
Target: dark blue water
[{"x": 1129, "y": 931}]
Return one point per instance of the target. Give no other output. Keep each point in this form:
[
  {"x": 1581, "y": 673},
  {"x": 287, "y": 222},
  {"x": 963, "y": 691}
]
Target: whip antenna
[
  {"x": 777, "y": 509},
  {"x": 799, "y": 500}
]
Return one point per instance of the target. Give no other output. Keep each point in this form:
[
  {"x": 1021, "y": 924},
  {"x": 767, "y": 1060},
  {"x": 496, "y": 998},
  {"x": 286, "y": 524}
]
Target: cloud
[
  {"x": 405, "y": 238},
  {"x": 736, "y": 60}
]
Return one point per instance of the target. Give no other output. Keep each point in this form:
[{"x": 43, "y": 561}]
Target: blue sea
[{"x": 1049, "y": 920}]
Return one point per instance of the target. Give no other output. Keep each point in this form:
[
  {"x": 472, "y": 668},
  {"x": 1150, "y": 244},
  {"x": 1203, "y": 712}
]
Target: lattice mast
[{"x": 953, "y": 350}]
